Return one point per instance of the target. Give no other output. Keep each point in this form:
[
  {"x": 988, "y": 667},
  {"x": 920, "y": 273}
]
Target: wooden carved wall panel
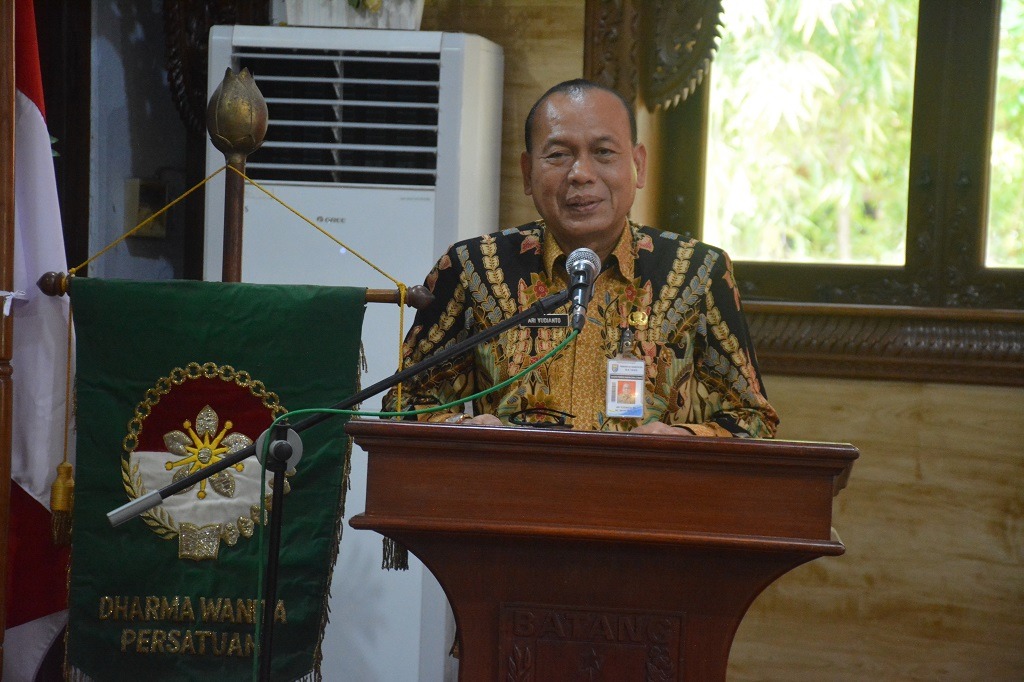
[
  {"x": 610, "y": 45},
  {"x": 187, "y": 28},
  {"x": 657, "y": 51},
  {"x": 678, "y": 41},
  {"x": 882, "y": 342}
]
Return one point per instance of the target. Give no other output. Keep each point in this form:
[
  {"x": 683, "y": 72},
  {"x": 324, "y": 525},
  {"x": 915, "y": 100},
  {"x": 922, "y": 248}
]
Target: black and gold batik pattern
[{"x": 678, "y": 297}]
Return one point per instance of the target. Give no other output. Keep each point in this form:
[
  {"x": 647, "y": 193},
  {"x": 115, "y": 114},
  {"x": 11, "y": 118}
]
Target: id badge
[{"x": 625, "y": 390}]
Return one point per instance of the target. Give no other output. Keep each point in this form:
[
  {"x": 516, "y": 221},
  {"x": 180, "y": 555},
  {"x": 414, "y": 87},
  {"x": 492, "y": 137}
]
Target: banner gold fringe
[
  {"x": 62, "y": 502},
  {"x": 395, "y": 556}
]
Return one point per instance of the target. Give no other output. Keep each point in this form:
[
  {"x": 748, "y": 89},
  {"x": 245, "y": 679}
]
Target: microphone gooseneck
[{"x": 583, "y": 266}]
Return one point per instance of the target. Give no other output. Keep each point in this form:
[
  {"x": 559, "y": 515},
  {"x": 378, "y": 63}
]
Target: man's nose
[{"x": 582, "y": 170}]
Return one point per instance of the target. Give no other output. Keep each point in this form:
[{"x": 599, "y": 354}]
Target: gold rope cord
[{"x": 402, "y": 288}]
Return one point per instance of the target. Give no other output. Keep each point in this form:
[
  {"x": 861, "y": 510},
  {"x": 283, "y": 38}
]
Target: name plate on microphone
[{"x": 547, "y": 321}]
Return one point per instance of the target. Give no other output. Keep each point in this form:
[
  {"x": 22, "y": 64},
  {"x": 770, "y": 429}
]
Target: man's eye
[{"x": 555, "y": 156}]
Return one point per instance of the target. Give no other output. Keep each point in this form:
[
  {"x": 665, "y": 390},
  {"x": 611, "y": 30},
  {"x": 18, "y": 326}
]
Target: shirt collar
[{"x": 622, "y": 255}]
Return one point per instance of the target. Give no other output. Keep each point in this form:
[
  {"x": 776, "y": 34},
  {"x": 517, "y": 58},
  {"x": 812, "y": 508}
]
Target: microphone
[{"x": 583, "y": 265}]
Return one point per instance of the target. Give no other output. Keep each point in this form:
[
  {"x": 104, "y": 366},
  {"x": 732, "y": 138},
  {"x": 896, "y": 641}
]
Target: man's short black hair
[{"x": 578, "y": 86}]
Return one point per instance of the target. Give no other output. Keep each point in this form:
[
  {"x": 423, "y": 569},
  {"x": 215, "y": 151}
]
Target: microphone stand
[{"x": 281, "y": 449}]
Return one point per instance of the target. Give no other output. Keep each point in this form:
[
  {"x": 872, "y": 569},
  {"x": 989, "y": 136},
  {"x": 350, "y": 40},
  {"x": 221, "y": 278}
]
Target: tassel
[
  {"x": 395, "y": 556},
  {"x": 62, "y": 501}
]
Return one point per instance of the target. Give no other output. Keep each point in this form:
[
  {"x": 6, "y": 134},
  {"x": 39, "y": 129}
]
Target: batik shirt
[{"x": 677, "y": 297}]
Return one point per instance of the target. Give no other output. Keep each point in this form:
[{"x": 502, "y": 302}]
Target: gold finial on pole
[{"x": 236, "y": 118}]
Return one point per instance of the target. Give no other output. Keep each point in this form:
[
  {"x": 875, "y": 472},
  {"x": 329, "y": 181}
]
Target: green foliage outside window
[
  {"x": 810, "y": 130},
  {"x": 1006, "y": 198},
  {"x": 809, "y": 138}
]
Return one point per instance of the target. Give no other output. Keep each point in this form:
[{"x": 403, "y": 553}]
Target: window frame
[{"x": 942, "y": 316}]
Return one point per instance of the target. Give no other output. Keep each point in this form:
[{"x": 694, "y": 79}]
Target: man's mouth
[{"x": 582, "y": 203}]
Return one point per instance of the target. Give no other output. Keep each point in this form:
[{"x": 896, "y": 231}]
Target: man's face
[{"x": 583, "y": 170}]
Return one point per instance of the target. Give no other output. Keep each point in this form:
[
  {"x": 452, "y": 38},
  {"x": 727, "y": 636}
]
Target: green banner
[{"x": 171, "y": 377}]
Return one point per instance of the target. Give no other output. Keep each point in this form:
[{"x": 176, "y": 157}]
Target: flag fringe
[{"x": 315, "y": 675}]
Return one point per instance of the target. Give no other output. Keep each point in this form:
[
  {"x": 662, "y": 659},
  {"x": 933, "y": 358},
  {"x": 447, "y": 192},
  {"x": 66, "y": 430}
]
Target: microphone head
[{"x": 583, "y": 258}]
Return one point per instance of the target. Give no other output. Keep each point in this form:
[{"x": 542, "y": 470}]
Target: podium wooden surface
[{"x": 598, "y": 556}]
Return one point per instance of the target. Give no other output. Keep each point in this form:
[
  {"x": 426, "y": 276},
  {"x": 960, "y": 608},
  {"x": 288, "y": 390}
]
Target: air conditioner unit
[{"x": 390, "y": 141}]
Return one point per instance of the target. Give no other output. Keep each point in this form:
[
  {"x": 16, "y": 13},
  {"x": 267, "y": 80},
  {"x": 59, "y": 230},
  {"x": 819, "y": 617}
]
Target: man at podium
[{"x": 664, "y": 347}]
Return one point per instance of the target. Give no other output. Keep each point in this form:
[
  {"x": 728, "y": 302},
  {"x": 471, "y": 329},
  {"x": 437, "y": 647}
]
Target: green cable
[
  {"x": 437, "y": 408},
  {"x": 357, "y": 413}
]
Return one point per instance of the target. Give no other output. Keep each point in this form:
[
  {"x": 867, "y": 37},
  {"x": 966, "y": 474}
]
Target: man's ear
[
  {"x": 526, "y": 166},
  {"x": 640, "y": 161}
]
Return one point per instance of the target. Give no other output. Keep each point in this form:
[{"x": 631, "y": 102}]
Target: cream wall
[
  {"x": 932, "y": 584},
  {"x": 543, "y": 44}
]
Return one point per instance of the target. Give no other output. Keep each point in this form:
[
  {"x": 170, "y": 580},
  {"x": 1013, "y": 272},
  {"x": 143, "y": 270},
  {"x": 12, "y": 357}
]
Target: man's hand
[{"x": 662, "y": 429}]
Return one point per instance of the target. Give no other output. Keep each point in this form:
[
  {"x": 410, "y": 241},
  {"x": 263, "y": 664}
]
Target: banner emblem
[{"x": 165, "y": 445}]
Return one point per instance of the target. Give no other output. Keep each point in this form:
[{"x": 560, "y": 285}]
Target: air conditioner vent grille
[{"x": 346, "y": 116}]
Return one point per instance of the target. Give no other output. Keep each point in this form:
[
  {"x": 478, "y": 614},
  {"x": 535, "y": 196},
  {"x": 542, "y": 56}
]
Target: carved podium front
[{"x": 598, "y": 556}]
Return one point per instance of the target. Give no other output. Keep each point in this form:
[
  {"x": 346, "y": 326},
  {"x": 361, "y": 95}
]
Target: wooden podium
[{"x": 598, "y": 556}]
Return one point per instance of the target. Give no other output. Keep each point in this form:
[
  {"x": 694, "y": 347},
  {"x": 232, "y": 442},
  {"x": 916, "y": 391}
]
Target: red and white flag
[{"x": 36, "y": 597}]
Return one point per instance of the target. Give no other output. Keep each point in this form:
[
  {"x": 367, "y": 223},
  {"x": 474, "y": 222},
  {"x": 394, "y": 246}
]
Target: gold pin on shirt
[{"x": 638, "y": 319}]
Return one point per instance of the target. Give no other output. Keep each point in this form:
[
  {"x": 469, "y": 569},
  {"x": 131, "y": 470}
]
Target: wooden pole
[
  {"x": 234, "y": 208},
  {"x": 7, "y": 90},
  {"x": 418, "y": 297}
]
